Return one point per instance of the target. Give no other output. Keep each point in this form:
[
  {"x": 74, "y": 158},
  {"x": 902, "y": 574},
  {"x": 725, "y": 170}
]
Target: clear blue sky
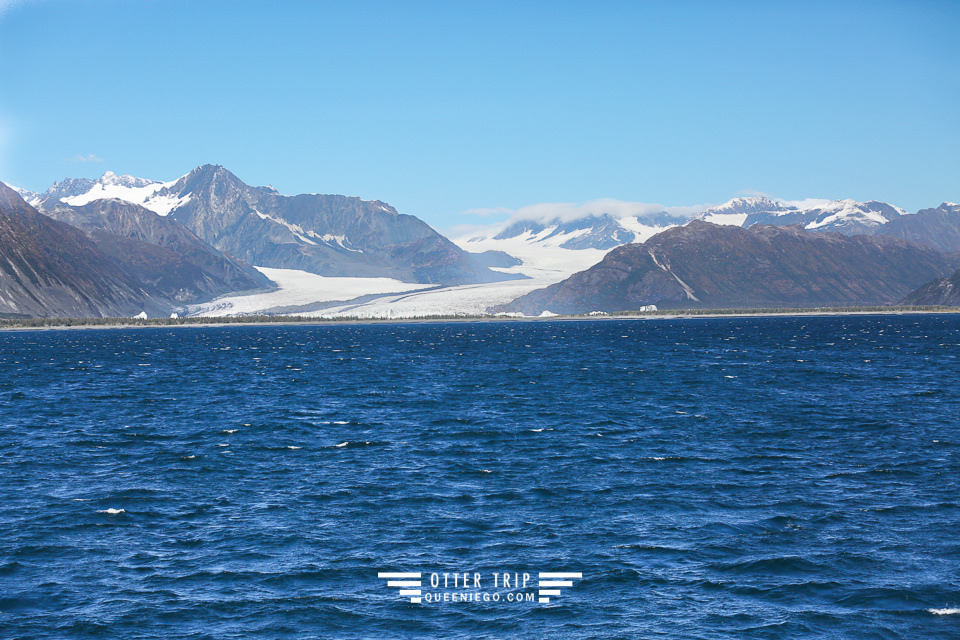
[{"x": 443, "y": 107}]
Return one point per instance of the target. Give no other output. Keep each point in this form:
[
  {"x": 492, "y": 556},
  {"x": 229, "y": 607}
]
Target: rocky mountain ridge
[
  {"x": 329, "y": 235},
  {"x": 704, "y": 265},
  {"x": 51, "y": 269},
  {"x": 161, "y": 251},
  {"x": 939, "y": 292},
  {"x": 937, "y": 228}
]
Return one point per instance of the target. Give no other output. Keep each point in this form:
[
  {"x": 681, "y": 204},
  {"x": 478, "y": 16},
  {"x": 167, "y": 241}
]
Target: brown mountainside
[
  {"x": 703, "y": 265},
  {"x": 942, "y": 291},
  {"x": 50, "y": 269}
]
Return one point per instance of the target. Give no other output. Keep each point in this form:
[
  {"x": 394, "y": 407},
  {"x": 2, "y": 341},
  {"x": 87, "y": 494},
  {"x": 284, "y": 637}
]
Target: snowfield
[
  {"x": 297, "y": 290},
  {"x": 463, "y": 300},
  {"x": 307, "y": 294}
]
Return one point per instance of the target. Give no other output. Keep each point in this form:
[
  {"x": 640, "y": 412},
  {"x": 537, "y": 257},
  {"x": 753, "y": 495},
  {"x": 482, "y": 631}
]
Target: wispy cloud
[
  {"x": 6, "y": 5},
  {"x": 90, "y": 157},
  {"x": 560, "y": 212},
  {"x": 752, "y": 192},
  {"x": 564, "y": 211},
  {"x": 488, "y": 212}
]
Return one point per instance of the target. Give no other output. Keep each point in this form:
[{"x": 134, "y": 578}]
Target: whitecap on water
[
  {"x": 292, "y": 447},
  {"x": 112, "y": 512},
  {"x": 228, "y": 431},
  {"x": 342, "y": 444},
  {"x": 944, "y": 612}
]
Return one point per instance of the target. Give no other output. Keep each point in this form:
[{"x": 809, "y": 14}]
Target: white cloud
[
  {"x": 90, "y": 157},
  {"x": 549, "y": 212},
  {"x": 806, "y": 203},
  {"x": 564, "y": 211},
  {"x": 468, "y": 230},
  {"x": 487, "y": 212},
  {"x": 6, "y": 5}
]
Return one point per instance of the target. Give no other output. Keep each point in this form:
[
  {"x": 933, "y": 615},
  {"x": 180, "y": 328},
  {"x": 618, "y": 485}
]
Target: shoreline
[{"x": 276, "y": 321}]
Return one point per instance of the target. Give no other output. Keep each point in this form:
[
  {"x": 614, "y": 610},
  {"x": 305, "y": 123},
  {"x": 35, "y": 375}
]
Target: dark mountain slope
[
  {"x": 937, "y": 228},
  {"x": 325, "y": 234},
  {"x": 942, "y": 291},
  {"x": 50, "y": 269},
  {"x": 710, "y": 266},
  {"x": 160, "y": 252}
]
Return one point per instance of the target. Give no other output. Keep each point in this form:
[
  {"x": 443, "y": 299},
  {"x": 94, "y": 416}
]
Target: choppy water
[{"x": 742, "y": 478}]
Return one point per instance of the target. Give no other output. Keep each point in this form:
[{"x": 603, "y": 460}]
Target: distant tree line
[{"x": 9, "y": 322}]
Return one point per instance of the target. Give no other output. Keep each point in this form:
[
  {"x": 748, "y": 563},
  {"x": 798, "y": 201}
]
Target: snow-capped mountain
[
  {"x": 703, "y": 265},
  {"x": 52, "y": 269},
  {"x": 555, "y": 246},
  {"x": 28, "y": 196},
  {"x": 150, "y": 194},
  {"x": 339, "y": 255},
  {"x": 329, "y": 235},
  {"x": 846, "y": 216},
  {"x": 560, "y": 239},
  {"x": 604, "y": 231}
]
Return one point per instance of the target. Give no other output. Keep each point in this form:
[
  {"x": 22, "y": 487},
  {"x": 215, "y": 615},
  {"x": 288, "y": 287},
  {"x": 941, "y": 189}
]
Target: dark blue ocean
[{"x": 707, "y": 478}]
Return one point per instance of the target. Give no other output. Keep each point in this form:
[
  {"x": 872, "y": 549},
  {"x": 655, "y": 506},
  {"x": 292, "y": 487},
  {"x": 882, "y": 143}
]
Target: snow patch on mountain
[
  {"x": 309, "y": 236},
  {"x": 642, "y": 232},
  {"x": 843, "y": 210},
  {"x": 151, "y": 194},
  {"x": 295, "y": 229},
  {"x": 340, "y": 240},
  {"x": 731, "y": 219}
]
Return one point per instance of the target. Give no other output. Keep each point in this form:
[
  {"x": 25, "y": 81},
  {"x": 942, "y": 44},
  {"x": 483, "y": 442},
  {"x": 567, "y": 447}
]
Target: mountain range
[
  {"x": 705, "y": 265},
  {"x": 49, "y": 268},
  {"x": 329, "y": 235},
  {"x": 162, "y": 247},
  {"x": 937, "y": 228}
]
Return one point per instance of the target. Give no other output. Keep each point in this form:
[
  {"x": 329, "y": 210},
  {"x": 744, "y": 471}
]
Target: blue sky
[{"x": 443, "y": 108}]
